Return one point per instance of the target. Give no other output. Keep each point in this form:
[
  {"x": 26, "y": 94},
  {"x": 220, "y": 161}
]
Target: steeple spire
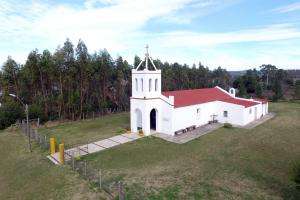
[
  {"x": 147, "y": 48},
  {"x": 147, "y": 58}
]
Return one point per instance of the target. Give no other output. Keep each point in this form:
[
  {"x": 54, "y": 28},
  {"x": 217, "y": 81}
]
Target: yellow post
[
  {"x": 52, "y": 146},
  {"x": 62, "y": 153}
]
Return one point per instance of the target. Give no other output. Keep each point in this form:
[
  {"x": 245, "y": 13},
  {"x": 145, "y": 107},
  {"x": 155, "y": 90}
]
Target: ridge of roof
[{"x": 204, "y": 95}]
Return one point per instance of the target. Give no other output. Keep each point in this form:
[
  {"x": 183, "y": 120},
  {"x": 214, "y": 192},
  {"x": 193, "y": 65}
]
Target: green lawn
[
  {"x": 31, "y": 176},
  {"x": 225, "y": 164},
  {"x": 82, "y": 132}
]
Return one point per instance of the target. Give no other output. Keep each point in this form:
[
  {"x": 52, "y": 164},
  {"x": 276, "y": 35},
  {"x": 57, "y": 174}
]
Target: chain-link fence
[
  {"x": 42, "y": 140},
  {"x": 95, "y": 176}
]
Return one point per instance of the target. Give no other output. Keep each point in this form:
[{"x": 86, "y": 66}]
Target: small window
[
  {"x": 225, "y": 113},
  {"x": 198, "y": 111},
  {"x": 156, "y": 84},
  {"x": 136, "y": 85},
  {"x": 250, "y": 111},
  {"x": 150, "y": 85},
  {"x": 142, "y": 84}
]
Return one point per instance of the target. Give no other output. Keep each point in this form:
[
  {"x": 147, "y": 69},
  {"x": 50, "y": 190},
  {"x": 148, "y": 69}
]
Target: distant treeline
[{"x": 70, "y": 82}]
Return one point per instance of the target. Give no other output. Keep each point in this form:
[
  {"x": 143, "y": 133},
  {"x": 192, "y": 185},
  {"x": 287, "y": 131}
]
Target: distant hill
[
  {"x": 295, "y": 73},
  {"x": 234, "y": 74}
]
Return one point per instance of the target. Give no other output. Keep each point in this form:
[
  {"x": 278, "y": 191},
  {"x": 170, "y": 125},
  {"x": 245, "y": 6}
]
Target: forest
[{"x": 70, "y": 83}]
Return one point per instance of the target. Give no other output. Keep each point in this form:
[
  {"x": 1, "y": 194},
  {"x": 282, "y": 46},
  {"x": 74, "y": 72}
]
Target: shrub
[
  {"x": 121, "y": 130},
  {"x": 228, "y": 125},
  {"x": 10, "y": 112},
  {"x": 36, "y": 111}
]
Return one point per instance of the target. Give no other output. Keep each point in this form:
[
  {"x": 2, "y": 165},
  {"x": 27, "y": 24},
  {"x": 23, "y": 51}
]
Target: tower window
[
  {"x": 156, "y": 84},
  {"x": 136, "y": 85},
  {"x": 150, "y": 85},
  {"x": 142, "y": 84}
]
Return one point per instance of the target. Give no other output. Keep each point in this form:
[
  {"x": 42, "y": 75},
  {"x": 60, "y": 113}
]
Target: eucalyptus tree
[{"x": 83, "y": 72}]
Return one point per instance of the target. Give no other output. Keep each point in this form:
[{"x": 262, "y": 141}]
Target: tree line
[
  {"x": 70, "y": 82},
  {"x": 268, "y": 82}
]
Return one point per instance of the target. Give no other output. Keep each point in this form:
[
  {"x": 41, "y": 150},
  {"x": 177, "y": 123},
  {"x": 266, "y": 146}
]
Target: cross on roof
[
  {"x": 147, "y": 58},
  {"x": 147, "y": 48}
]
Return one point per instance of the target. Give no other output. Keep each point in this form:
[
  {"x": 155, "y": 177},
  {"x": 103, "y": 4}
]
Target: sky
[{"x": 234, "y": 34}]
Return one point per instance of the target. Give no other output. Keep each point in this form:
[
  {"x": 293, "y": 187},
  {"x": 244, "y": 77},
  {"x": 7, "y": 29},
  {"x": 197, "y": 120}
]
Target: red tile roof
[
  {"x": 197, "y": 96},
  {"x": 264, "y": 101}
]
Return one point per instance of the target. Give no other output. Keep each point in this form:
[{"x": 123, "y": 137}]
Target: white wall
[
  {"x": 162, "y": 105},
  {"x": 188, "y": 116},
  {"x": 140, "y": 83},
  {"x": 235, "y": 113},
  {"x": 249, "y": 117}
]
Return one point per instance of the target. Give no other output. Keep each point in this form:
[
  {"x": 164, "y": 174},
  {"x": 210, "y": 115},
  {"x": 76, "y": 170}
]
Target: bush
[
  {"x": 228, "y": 125},
  {"x": 121, "y": 130},
  {"x": 10, "y": 112},
  {"x": 36, "y": 111}
]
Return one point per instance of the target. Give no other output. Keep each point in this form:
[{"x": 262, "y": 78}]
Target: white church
[{"x": 174, "y": 112}]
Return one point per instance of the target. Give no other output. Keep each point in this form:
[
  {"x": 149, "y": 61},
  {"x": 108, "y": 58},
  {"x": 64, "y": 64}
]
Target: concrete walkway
[
  {"x": 190, "y": 135},
  {"x": 96, "y": 146},
  {"x": 202, "y": 130}
]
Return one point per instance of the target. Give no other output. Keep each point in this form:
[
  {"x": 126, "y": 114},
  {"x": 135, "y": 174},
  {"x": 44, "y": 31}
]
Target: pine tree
[
  {"x": 10, "y": 76},
  {"x": 258, "y": 90},
  {"x": 277, "y": 89},
  {"x": 242, "y": 89}
]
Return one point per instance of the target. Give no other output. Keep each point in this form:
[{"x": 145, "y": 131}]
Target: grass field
[
  {"x": 82, "y": 132},
  {"x": 25, "y": 175},
  {"x": 226, "y": 164}
]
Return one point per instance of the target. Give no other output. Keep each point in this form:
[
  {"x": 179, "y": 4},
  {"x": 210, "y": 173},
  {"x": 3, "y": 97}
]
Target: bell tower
[
  {"x": 146, "y": 82},
  {"x": 145, "y": 102}
]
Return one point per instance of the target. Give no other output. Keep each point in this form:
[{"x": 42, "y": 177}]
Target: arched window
[
  {"x": 156, "y": 82},
  {"x": 136, "y": 85},
  {"x": 142, "y": 84},
  {"x": 150, "y": 84}
]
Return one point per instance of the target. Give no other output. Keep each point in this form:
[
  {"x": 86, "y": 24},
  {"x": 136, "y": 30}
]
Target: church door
[{"x": 153, "y": 119}]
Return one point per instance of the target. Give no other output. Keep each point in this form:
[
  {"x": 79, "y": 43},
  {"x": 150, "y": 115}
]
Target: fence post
[
  {"x": 85, "y": 168},
  {"x": 120, "y": 188},
  {"x": 36, "y": 134},
  {"x": 78, "y": 150},
  {"x": 73, "y": 161},
  {"x": 100, "y": 179},
  {"x": 38, "y": 122}
]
